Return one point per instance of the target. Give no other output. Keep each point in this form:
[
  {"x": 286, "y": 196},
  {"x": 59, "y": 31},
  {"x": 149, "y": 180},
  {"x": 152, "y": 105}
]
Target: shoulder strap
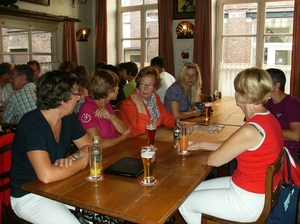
[{"x": 259, "y": 131}]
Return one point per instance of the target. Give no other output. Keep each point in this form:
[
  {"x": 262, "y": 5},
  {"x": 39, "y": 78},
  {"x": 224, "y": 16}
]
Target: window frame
[
  {"x": 30, "y": 26},
  {"x": 143, "y": 38}
]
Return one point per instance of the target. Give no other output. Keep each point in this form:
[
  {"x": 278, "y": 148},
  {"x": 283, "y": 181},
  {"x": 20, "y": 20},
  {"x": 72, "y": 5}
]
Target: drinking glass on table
[
  {"x": 184, "y": 139},
  {"x": 208, "y": 106},
  {"x": 150, "y": 130},
  {"x": 148, "y": 158}
]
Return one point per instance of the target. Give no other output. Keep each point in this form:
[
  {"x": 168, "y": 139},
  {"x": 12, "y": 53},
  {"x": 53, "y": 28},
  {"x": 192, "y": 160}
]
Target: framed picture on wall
[
  {"x": 39, "y": 2},
  {"x": 184, "y": 9}
]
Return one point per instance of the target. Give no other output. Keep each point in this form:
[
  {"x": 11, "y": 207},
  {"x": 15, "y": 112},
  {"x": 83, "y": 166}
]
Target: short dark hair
[
  {"x": 67, "y": 66},
  {"x": 102, "y": 82},
  {"x": 5, "y": 67},
  {"x": 100, "y": 64},
  {"x": 25, "y": 70},
  {"x": 159, "y": 61},
  {"x": 278, "y": 76},
  {"x": 130, "y": 67},
  {"x": 34, "y": 62},
  {"x": 83, "y": 74},
  {"x": 54, "y": 87}
]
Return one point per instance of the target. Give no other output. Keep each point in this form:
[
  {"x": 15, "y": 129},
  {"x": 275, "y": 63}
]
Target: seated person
[
  {"x": 128, "y": 71},
  {"x": 84, "y": 77},
  {"x": 143, "y": 105},
  {"x": 256, "y": 145},
  {"x": 182, "y": 95},
  {"x": 41, "y": 143},
  {"x": 23, "y": 98},
  {"x": 96, "y": 113},
  {"x": 286, "y": 109},
  {"x": 166, "y": 78},
  {"x": 121, "y": 94},
  {"x": 35, "y": 65},
  {"x": 5, "y": 86}
]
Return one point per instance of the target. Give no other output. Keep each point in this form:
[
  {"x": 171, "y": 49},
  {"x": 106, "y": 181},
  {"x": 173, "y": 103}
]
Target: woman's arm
[
  {"x": 47, "y": 172},
  {"x": 183, "y": 114},
  {"x": 292, "y": 134},
  {"x": 107, "y": 142},
  {"x": 244, "y": 138}
]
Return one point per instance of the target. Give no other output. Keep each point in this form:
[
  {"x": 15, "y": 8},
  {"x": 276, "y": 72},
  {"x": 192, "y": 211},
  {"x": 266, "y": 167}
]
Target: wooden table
[
  {"x": 225, "y": 111},
  {"x": 124, "y": 197}
]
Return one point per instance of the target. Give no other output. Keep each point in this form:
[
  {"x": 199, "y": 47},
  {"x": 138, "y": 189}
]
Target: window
[
  {"x": 23, "y": 41},
  {"x": 138, "y": 31},
  {"x": 253, "y": 33}
]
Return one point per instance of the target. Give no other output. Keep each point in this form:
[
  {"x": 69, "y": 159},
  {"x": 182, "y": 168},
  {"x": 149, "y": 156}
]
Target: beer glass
[
  {"x": 207, "y": 110},
  {"x": 150, "y": 130},
  {"x": 184, "y": 139},
  {"x": 95, "y": 163},
  {"x": 148, "y": 158}
]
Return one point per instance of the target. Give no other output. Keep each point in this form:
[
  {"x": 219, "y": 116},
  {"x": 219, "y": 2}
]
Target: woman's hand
[
  {"x": 103, "y": 113},
  {"x": 64, "y": 162},
  {"x": 136, "y": 99},
  {"x": 126, "y": 133}
]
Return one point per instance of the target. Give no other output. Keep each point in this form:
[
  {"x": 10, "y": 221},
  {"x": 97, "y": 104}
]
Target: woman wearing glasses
[
  {"x": 182, "y": 95},
  {"x": 143, "y": 105},
  {"x": 41, "y": 143},
  {"x": 96, "y": 113}
]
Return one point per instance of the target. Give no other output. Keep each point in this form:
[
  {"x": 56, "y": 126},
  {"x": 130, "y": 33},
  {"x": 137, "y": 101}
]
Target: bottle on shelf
[{"x": 176, "y": 133}]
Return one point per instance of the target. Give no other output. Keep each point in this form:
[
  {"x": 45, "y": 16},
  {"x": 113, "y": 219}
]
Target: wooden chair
[
  {"x": 270, "y": 198},
  {"x": 205, "y": 98},
  {"x": 7, "y": 214}
]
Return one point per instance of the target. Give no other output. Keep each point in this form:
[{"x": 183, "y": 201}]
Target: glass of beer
[
  {"x": 207, "y": 110},
  {"x": 150, "y": 130},
  {"x": 184, "y": 139},
  {"x": 148, "y": 158}
]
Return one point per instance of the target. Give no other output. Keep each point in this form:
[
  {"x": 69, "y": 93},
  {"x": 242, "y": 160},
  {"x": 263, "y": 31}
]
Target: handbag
[{"x": 285, "y": 211}]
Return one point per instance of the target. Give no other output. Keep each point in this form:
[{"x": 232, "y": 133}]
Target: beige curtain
[
  {"x": 203, "y": 44},
  {"x": 165, "y": 15},
  {"x": 295, "y": 73},
  {"x": 101, "y": 31},
  {"x": 70, "y": 52}
]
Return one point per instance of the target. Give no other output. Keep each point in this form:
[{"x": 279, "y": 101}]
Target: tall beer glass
[
  {"x": 148, "y": 158},
  {"x": 150, "y": 130},
  {"x": 207, "y": 110}
]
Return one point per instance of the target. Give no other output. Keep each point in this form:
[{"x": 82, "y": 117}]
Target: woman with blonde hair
[
  {"x": 182, "y": 95},
  {"x": 256, "y": 145}
]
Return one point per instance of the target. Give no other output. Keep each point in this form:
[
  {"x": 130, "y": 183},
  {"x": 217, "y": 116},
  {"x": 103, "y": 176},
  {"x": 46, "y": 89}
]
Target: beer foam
[
  {"x": 151, "y": 127},
  {"x": 147, "y": 154}
]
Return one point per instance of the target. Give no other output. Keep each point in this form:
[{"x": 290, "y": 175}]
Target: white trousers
[
  {"x": 38, "y": 209},
  {"x": 221, "y": 198}
]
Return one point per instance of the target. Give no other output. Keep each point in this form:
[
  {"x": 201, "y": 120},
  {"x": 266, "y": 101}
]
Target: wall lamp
[
  {"x": 83, "y": 34},
  {"x": 185, "y": 30}
]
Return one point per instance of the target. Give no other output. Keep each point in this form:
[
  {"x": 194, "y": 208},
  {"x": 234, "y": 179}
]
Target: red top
[
  {"x": 137, "y": 121},
  {"x": 250, "y": 173}
]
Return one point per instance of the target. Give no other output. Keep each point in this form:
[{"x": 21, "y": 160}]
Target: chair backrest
[
  {"x": 205, "y": 98},
  {"x": 5, "y": 163},
  {"x": 274, "y": 172}
]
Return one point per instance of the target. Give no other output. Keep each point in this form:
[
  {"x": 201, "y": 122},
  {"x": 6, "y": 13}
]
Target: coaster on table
[
  {"x": 149, "y": 184},
  {"x": 183, "y": 154},
  {"x": 88, "y": 178}
]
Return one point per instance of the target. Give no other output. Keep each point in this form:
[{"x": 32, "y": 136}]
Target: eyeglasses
[{"x": 144, "y": 85}]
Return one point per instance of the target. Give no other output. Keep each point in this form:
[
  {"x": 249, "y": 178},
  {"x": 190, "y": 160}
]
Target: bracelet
[
  {"x": 75, "y": 157},
  {"x": 84, "y": 163}
]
